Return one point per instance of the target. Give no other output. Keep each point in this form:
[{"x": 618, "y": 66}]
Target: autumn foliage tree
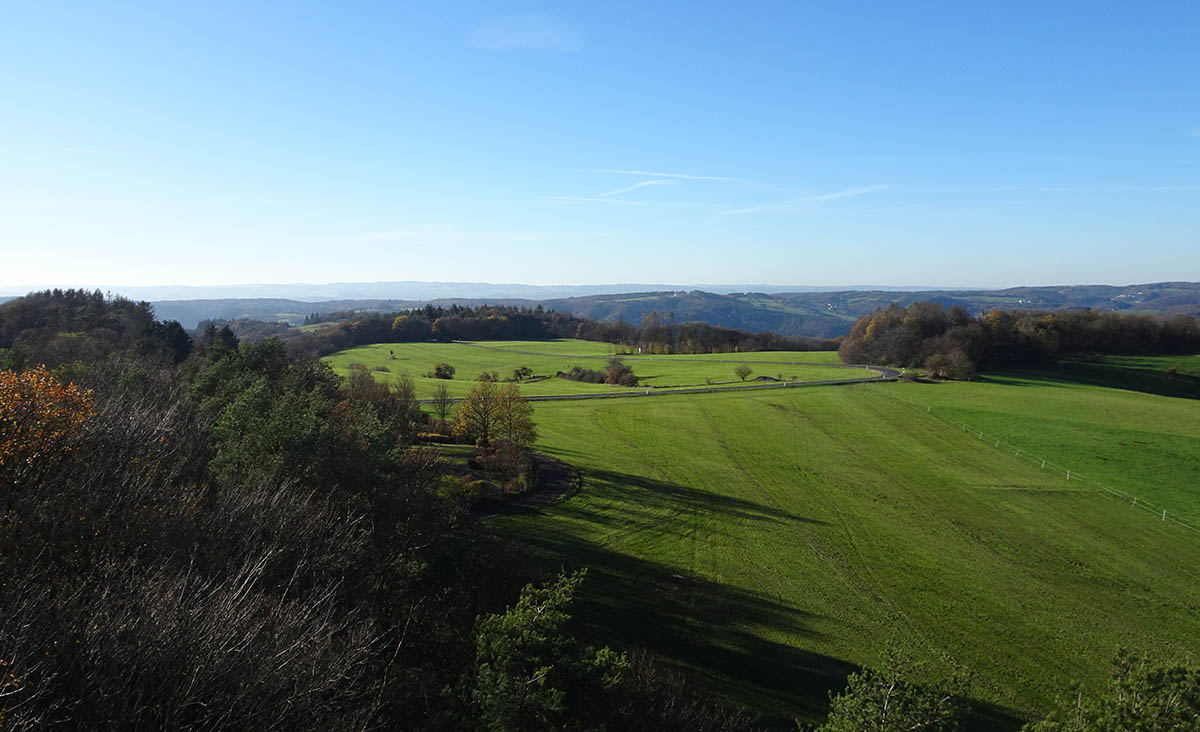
[
  {"x": 490, "y": 412},
  {"x": 39, "y": 416},
  {"x": 515, "y": 417}
]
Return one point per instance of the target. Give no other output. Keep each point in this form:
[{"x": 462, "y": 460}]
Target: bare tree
[
  {"x": 743, "y": 371},
  {"x": 441, "y": 403}
]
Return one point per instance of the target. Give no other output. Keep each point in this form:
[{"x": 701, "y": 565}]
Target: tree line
[
  {"x": 657, "y": 334},
  {"x": 953, "y": 344}
]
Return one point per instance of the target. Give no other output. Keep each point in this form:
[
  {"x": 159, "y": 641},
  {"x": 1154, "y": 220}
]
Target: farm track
[{"x": 883, "y": 374}]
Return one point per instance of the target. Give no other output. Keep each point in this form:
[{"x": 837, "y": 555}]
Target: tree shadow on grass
[
  {"x": 656, "y": 507},
  {"x": 1099, "y": 373},
  {"x": 711, "y": 629},
  {"x": 702, "y": 626}
]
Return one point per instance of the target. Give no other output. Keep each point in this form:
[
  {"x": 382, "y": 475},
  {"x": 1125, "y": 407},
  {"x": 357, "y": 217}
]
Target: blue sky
[{"x": 938, "y": 144}]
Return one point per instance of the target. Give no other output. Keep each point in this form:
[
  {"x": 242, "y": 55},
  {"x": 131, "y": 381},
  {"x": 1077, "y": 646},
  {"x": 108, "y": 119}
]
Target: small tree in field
[
  {"x": 441, "y": 371},
  {"x": 618, "y": 373},
  {"x": 743, "y": 371},
  {"x": 441, "y": 403}
]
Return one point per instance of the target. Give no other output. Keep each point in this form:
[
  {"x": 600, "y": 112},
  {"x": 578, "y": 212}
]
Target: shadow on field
[
  {"x": 711, "y": 629},
  {"x": 705, "y": 626},
  {"x": 1096, "y": 373},
  {"x": 658, "y": 499}
]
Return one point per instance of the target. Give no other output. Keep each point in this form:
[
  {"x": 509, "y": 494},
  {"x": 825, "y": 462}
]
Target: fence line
[{"x": 1045, "y": 464}]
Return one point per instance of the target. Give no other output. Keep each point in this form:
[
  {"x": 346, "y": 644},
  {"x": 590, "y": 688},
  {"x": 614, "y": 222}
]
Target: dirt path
[{"x": 557, "y": 479}]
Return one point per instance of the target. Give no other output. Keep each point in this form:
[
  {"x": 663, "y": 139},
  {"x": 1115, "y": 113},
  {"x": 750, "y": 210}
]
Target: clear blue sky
[{"x": 811, "y": 143}]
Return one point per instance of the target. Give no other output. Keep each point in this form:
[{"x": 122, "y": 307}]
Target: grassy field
[
  {"x": 772, "y": 540},
  {"x": 570, "y": 346},
  {"x": 1130, "y": 439},
  {"x": 417, "y": 359}
]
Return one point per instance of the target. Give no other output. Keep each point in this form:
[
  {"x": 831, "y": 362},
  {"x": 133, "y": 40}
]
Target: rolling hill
[{"x": 817, "y": 314}]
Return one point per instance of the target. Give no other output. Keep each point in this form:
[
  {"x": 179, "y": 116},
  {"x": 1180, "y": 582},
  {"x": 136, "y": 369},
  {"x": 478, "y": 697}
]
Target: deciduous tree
[
  {"x": 38, "y": 417},
  {"x": 441, "y": 403},
  {"x": 891, "y": 700},
  {"x": 478, "y": 413},
  {"x": 1142, "y": 697},
  {"x": 442, "y": 371},
  {"x": 515, "y": 417}
]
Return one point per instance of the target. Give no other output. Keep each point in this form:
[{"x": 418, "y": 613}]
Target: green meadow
[
  {"x": 389, "y": 361},
  {"x": 771, "y": 541}
]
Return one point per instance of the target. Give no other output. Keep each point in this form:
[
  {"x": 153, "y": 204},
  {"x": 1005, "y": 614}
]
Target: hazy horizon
[{"x": 432, "y": 290}]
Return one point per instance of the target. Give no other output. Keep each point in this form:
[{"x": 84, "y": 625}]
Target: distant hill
[
  {"x": 409, "y": 290},
  {"x": 818, "y": 314},
  {"x": 191, "y": 312},
  {"x": 830, "y": 314}
]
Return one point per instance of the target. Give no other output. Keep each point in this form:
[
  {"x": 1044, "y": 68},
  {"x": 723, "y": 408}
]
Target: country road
[{"x": 883, "y": 374}]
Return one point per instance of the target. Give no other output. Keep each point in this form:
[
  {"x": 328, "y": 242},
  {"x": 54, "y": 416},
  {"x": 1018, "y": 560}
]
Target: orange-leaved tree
[{"x": 39, "y": 416}]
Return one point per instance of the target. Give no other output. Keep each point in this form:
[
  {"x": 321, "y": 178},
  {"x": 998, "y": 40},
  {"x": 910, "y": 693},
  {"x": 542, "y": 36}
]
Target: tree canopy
[{"x": 952, "y": 343}]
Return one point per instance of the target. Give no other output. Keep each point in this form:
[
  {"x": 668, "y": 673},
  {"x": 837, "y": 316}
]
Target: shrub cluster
[
  {"x": 578, "y": 373},
  {"x": 616, "y": 373}
]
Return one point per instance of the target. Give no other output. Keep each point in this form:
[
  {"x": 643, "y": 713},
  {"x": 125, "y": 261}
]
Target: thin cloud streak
[
  {"x": 1068, "y": 189},
  {"x": 679, "y": 176},
  {"x": 426, "y": 234},
  {"x": 635, "y": 186},
  {"x": 593, "y": 199},
  {"x": 799, "y": 203}
]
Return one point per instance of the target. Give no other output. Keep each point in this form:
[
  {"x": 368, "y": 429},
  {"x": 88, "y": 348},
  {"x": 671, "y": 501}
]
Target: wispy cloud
[
  {"x": 797, "y": 204},
  {"x": 1069, "y": 189},
  {"x": 679, "y": 176},
  {"x": 595, "y": 199},
  {"x": 635, "y": 186},
  {"x": 1194, "y": 132},
  {"x": 526, "y": 32},
  {"x": 449, "y": 234}
]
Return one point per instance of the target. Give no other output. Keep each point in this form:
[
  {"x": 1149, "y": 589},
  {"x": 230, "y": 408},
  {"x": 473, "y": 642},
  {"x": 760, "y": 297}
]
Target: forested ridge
[{"x": 656, "y": 334}]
